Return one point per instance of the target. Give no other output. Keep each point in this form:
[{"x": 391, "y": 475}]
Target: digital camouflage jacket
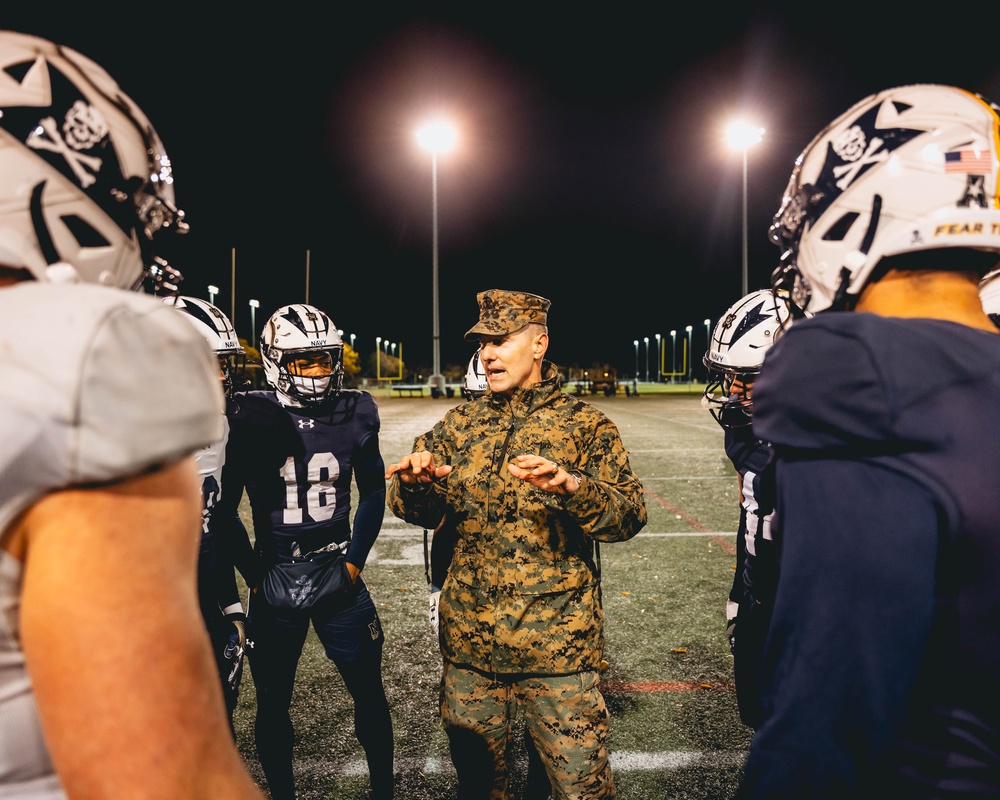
[{"x": 523, "y": 594}]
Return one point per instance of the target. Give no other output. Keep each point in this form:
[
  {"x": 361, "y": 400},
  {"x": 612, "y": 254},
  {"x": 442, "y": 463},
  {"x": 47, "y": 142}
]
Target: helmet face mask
[
  {"x": 909, "y": 169},
  {"x": 475, "y": 384},
  {"x": 86, "y": 187},
  {"x": 303, "y": 355},
  {"x": 218, "y": 331},
  {"x": 736, "y": 352}
]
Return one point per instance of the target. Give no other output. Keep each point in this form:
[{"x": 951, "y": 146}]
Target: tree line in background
[{"x": 390, "y": 368}]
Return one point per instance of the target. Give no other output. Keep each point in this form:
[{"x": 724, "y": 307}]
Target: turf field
[{"x": 675, "y": 732}]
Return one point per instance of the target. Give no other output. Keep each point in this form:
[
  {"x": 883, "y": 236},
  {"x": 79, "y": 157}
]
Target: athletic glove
[
  {"x": 433, "y": 610},
  {"x": 731, "y": 634},
  {"x": 236, "y": 647}
]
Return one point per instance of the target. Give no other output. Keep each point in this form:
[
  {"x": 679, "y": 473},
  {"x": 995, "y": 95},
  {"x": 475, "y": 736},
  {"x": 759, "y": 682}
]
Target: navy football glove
[{"x": 731, "y": 634}]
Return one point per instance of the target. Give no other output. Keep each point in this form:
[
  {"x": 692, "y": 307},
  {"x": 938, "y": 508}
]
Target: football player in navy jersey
[
  {"x": 296, "y": 449},
  {"x": 736, "y": 351},
  {"x": 881, "y": 409},
  {"x": 221, "y": 607}
]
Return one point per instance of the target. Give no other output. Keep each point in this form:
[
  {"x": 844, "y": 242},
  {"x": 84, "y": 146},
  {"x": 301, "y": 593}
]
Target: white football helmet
[
  {"x": 735, "y": 354},
  {"x": 989, "y": 293},
  {"x": 85, "y": 184},
  {"x": 218, "y": 331},
  {"x": 909, "y": 169},
  {"x": 295, "y": 331},
  {"x": 475, "y": 379}
]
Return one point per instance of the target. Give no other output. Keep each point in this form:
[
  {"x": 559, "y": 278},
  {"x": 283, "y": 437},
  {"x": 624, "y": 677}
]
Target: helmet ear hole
[{"x": 838, "y": 231}]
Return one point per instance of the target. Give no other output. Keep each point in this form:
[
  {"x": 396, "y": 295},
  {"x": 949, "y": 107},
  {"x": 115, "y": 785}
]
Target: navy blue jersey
[
  {"x": 755, "y": 558},
  {"x": 297, "y": 465},
  {"x": 884, "y": 640},
  {"x": 755, "y": 576}
]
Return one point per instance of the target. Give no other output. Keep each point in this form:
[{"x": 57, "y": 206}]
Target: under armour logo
[
  {"x": 84, "y": 127},
  {"x": 306, "y": 423}
]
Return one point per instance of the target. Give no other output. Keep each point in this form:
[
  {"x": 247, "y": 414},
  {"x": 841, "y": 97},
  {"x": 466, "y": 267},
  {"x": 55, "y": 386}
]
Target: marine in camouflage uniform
[{"x": 531, "y": 478}]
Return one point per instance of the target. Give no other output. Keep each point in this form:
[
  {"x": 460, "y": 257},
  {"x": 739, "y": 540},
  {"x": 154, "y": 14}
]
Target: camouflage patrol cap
[{"x": 502, "y": 311}]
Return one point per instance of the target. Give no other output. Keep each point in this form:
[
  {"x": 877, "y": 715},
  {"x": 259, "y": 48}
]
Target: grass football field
[{"x": 675, "y": 732}]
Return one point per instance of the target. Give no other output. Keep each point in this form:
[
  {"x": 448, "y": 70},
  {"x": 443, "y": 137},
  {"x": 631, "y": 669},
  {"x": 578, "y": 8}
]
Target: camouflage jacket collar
[{"x": 523, "y": 402}]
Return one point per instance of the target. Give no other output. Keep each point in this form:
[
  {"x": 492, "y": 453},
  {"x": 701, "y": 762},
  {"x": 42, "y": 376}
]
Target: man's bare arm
[{"x": 116, "y": 647}]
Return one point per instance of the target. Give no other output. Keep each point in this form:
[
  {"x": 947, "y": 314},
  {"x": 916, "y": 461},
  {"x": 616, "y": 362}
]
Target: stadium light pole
[
  {"x": 688, "y": 329},
  {"x": 352, "y": 341},
  {"x": 254, "y": 305},
  {"x": 213, "y": 290},
  {"x": 636, "y": 343},
  {"x": 646, "y": 340},
  {"x": 740, "y": 136},
  {"x": 673, "y": 356},
  {"x": 437, "y": 137},
  {"x": 659, "y": 358},
  {"x": 708, "y": 338}
]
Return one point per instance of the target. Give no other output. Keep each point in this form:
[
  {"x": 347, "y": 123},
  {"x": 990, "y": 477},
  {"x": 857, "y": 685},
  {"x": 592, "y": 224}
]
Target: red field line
[
  {"x": 647, "y": 687},
  {"x": 728, "y": 546},
  {"x": 671, "y": 507}
]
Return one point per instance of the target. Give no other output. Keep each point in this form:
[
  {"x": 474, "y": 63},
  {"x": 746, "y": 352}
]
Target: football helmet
[
  {"x": 475, "y": 379},
  {"x": 302, "y": 331},
  {"x": 989, "y": 293},
  {"x": 85, "y": 183},
  {"x": 908, "y": 169},
  {"x": 735, "y": 354},
  {"x": 218, "y": 331}
]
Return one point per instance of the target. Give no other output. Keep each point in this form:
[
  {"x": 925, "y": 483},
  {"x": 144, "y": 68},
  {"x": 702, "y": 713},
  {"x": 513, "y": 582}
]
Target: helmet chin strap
[
  {"x": 42, "y": 234},
  {"x": 856, "y": 259},
  {"x": 56, "y": 271},
  {"x": 19, "y": 252}
]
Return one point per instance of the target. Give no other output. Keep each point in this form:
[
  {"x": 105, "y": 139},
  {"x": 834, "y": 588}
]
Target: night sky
[{"x": 591, "y": 168}]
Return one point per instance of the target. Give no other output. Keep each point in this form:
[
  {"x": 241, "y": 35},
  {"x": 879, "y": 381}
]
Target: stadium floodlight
[
  {"x": 213, "y": 290},
  {"x": 437, "y": 137},
  {"x": 740, "y": 136},
  {"x": 254, "y": 305},
  {"x": 673, "y": 356},
  {"x": 689, "y": 369},
  {"x": 659, "y": 358},
  {"x": 708, "y": 337},
  {"x": 636, "y": 343}
]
